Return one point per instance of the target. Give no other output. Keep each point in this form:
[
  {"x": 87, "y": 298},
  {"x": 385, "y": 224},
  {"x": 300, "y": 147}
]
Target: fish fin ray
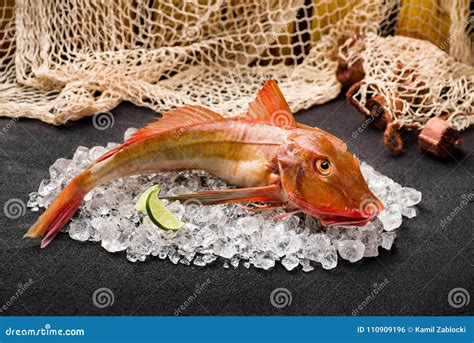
[
  {"x": 270, "y": 107},
  {"x": 257, "y": 209},
  {"x": 60, "y": 211},
  {"x": 262, "y": 194},
  {"x": 286, "y": 214},
  {"x": 181, "y": 117}
]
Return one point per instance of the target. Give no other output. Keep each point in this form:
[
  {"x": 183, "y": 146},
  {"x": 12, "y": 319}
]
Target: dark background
[{"x": 428, "y": 260}]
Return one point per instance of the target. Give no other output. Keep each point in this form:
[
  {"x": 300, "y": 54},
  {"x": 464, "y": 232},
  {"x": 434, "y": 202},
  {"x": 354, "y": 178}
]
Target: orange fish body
[{"x": 265, "y": 152}]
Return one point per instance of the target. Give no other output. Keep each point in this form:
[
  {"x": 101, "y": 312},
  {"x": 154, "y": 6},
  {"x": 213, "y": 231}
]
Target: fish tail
[{"x": 61, "y": 210}]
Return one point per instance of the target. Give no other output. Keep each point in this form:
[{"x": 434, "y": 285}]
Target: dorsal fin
[
  {"x": 270, "y": 107},
  {"x": 180, "y": 117}
]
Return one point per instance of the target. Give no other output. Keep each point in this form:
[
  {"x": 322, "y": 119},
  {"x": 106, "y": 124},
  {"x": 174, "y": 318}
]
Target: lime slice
[
  {"x": 159, "y": 214},
  {"x": 140, "y": 206}
]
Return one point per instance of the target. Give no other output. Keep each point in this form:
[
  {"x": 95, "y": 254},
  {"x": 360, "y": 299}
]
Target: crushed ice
[{"x": 225, "y": 232}]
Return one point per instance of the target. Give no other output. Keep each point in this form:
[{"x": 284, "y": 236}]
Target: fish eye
[{"x": 323, "y": 167}]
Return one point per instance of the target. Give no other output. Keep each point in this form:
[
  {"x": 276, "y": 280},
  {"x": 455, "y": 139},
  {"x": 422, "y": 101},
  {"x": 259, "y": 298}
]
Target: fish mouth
[
  {"x": 354, "y": 217},
  {"x": 332, "y": 220}
]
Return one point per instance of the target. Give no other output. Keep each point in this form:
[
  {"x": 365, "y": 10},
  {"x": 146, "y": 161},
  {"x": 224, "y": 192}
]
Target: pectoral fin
[
  {"x": 284, "y": 215},
  {"x": 262, "y": 208},
  {"x": 261, "y": 194}
]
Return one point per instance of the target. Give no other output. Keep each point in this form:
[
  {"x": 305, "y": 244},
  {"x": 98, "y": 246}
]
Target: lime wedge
[
  {"x": 140, "y": 206},
  {"x": 159, "y": 214}
]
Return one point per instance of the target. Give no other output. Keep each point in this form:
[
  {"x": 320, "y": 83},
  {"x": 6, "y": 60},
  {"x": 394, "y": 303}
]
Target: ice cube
[
  {"x": 216, "y": 215},
  {"x": 387, "y": 239},
  {"x": 351, "y": 250},
  {"x": 291, "y": 223},
  {"x": 140, "y": 244},
  {"x": 306, "y": 264},
  {"x": 409, "y": 212},
  {"x": 228, "y": 251},
  {"x": 57, "y": 171},
  {"x": 315, "y": 246},
  {"x": 263, "y": 260},
  {"x": 209, "y": 258},
  {"x": 81, "y": 155},
  {"x": 329, "y": 258},
  {"x": 33, "y": 201},
  {"x": 248, "y": 225},
  {"x": 185, "y": 261},
  {"x": 176, "y": 208},
  {"x": 235, "y": 261},
  {"x": 206, "y": 237},
  {"x": 288, "y": 244},
  {"x": 371, "y": 239},
  {"x": 410, "y": 196},
  {"x": 113, "y": 238},
  {"x": 129, "y": 133},
  {"x": 334, "y": 232},
  {"x": 199, "y": 261},
  {"x": 290, "y": 262},
  {"x": 174, "y": 257},
  {"x": 391, "y": 217},
  {"x": 350, "y": 233},
  {"x": 79, "y": 230},
  {"x": 45, "y": 188},
  {"x": 132, "y": 257},
  {"x": 95, "y": 152}
]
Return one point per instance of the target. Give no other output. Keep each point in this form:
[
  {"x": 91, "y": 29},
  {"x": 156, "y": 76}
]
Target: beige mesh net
[
  {"x": 412, "y": 81},
  {"x": 63, "y": 60}
]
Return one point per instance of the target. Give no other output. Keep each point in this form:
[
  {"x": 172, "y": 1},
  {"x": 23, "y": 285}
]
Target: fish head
[{"x": 320, "y": 177}]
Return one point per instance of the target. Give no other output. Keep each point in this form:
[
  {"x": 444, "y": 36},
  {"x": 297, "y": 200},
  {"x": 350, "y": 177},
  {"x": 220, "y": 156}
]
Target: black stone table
[{"x": 429, "y": 259}]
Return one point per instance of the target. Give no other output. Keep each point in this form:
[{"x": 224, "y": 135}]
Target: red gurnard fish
[{"x": 266, "y": 152}]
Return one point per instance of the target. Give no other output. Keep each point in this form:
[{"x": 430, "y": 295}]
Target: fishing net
[
  {"x": 63, "y": 60},
  {"x": 407, "y": 82}
]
